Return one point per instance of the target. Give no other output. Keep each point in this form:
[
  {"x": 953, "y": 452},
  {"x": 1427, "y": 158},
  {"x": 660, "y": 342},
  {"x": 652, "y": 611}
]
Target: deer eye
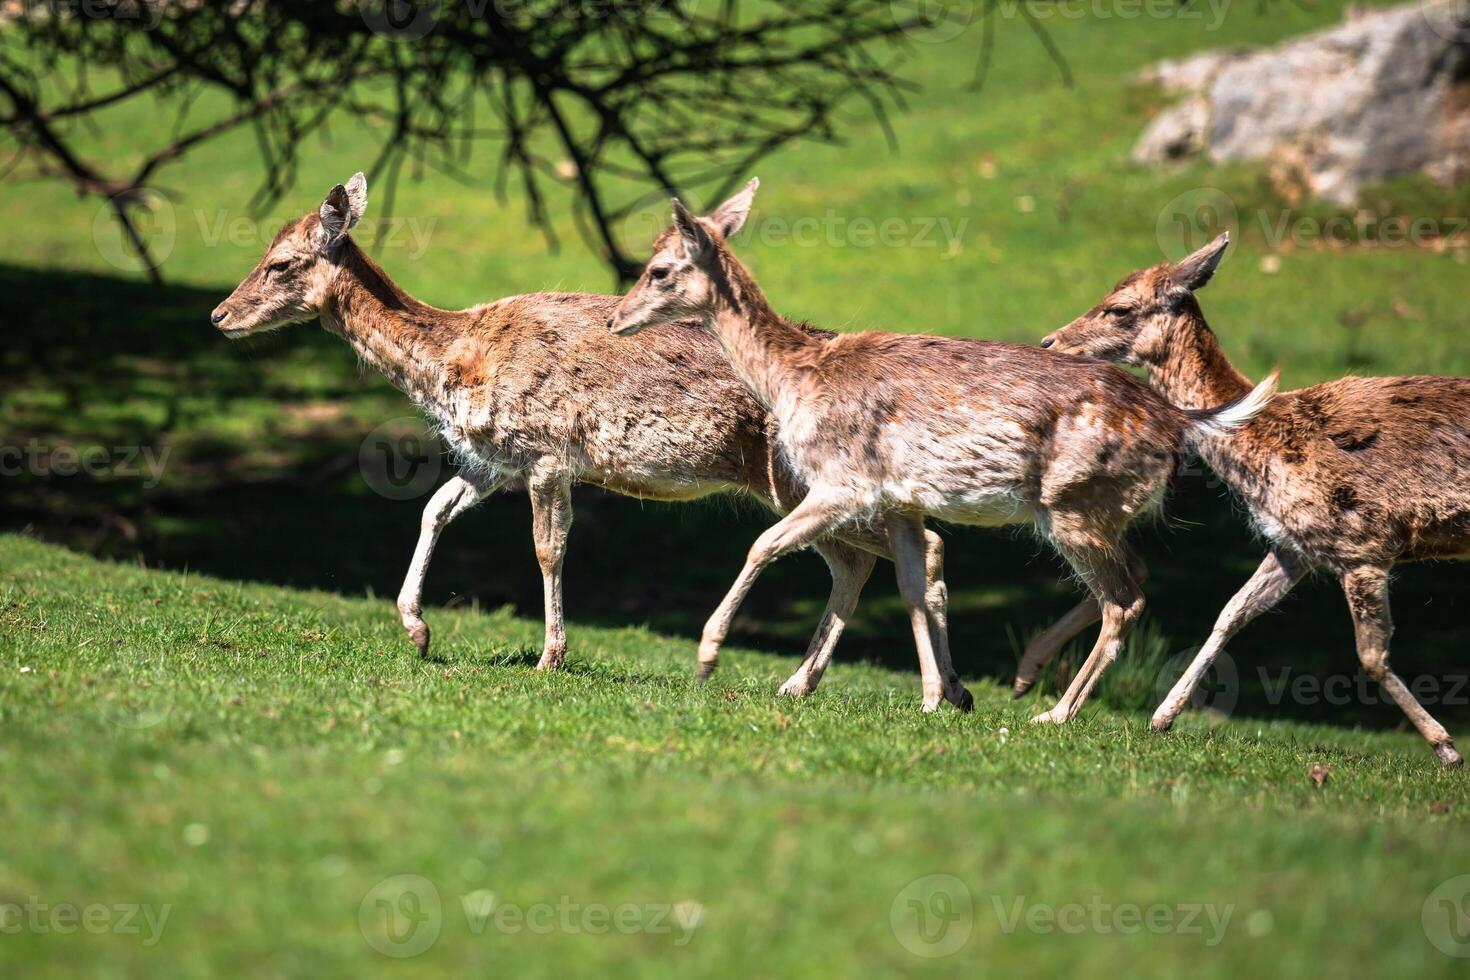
[
  {"x": 659, "y": 272},
  {"x": 1116, "y": 311},
  {"x": 280, "y": 266}
]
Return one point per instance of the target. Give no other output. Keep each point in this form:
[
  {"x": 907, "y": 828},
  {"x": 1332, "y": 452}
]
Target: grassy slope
[
  {"x": 794, "y": 826},
  {"x": 321, "y": 759}
]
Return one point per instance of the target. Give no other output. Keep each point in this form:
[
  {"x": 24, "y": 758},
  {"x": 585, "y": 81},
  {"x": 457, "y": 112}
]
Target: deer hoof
[
  {"x": 1448, "y": 756},
  {"x": 1053, "y": 717},
  {"x": 1161, "y": 722},
  {"x": 966, "y": 701},
  {"x": 705, "y": 669},
  {"x": 418, "y": 632},
  {"x": 1022, "y": 685},
  {"x": 796, "y": 688},
  {"x": 551, "y": 660}
]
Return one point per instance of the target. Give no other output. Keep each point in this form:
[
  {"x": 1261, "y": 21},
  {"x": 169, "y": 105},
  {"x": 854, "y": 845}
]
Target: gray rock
[{"x": 1383, "y": 94}]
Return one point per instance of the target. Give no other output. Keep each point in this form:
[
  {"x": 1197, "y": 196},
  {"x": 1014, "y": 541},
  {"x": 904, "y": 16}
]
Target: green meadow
[{"x": 218, "y": 754}]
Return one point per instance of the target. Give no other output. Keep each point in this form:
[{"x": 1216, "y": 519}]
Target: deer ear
[
  {"x": 336, "y": 214},
  {"x": 730, "y": 216},
  {"x": 1195, "y": 271},
  {"x": 356, "y": 198},
  {"x": 697, "y": 242}
]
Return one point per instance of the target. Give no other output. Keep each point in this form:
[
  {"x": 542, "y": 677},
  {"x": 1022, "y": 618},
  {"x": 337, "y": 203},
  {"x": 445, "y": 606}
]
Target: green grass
[
  {"x": 226, "y": 720},
  {"x": 259, "y": 759}
]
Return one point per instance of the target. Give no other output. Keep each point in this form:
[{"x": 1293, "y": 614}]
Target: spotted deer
[
  {"x": 890, "y": 428},
  {"x": 1352, "y": 476},
  {"x": 531, "y": 391}
]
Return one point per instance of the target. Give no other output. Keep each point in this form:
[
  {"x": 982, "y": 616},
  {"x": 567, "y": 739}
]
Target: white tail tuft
[{"x": 1228, "y": 418}]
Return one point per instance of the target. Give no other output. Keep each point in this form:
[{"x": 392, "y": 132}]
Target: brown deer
[
  {"x": 530, "y": 390},
  {"x": 1352, "y": 476},
  {"x": 892, "y": 427}
]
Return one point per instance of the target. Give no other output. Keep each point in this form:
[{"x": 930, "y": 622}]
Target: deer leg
[
  {"x": 551, "y": 522},
  {"x": 1109, "y": 578},
  {"x": 850, "y": 570},
  {"x": 810, "y": 520},
  {"x": 911, "y": 551},
  {"x": 1367, "y": 594},
  {"x": 936, "y": 601},
  {"x": 1275, "y": 577},
  {"x": 448, "y": 502},
  {"x": 1049, "y": 642}
]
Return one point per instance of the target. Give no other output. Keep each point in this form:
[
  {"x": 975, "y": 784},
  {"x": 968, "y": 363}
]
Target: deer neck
[
  {"x": 399, "y": 336},
  {"x": 1191, "y": 369},
  {"x": 765, "y": 349}
]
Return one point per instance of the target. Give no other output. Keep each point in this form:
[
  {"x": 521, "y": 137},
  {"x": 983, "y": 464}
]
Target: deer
[
  {"x": 887, "y": 429},
  {"x": 1352, "y": 476},
  {"x": 530, "y": 392}
]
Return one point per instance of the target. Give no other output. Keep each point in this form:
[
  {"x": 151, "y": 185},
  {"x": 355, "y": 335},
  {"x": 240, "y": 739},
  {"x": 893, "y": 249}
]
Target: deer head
[
  {"x": 683, "y": 279},
  {"x": 1131, "y": 325},
  {"x": 293, "y": 279}
]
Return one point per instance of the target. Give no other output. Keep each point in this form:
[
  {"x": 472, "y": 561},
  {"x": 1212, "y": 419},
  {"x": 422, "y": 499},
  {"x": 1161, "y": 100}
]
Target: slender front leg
[
  {"x": 1275, "y": 577},
  {"x": 551, "y": 521},
  {"x": 1367, "y": 595},
  {"x": 850, "y": 570},
  {"x": 911, "y": 553},
  {"x": 812, "y": 518},
  {"x": 1049, "y": 642},
  {"x": 448, "y": 502},
  {"x": 1109, "y": 578}
]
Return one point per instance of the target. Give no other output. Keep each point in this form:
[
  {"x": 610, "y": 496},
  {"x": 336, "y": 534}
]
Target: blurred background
[{"x": 982, "y": 168}]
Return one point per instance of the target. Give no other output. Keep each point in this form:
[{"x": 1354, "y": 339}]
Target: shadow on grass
[{"x": 257, "y": 478}]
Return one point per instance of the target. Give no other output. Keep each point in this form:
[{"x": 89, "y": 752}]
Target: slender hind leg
[
  {"x": 850, "y": 570},
  {"x": 448, "y": 502},
  {"x": 1104, "y": 566},
  {"x": 1269, "y": 585},
  {"x": 551, "y": 521},
  {"x": 1367, "y": 594},
  {"x": 1048, "y": 643},
  {"x": 910, "y": 556},
  {"x": 813, "y": 518}
]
